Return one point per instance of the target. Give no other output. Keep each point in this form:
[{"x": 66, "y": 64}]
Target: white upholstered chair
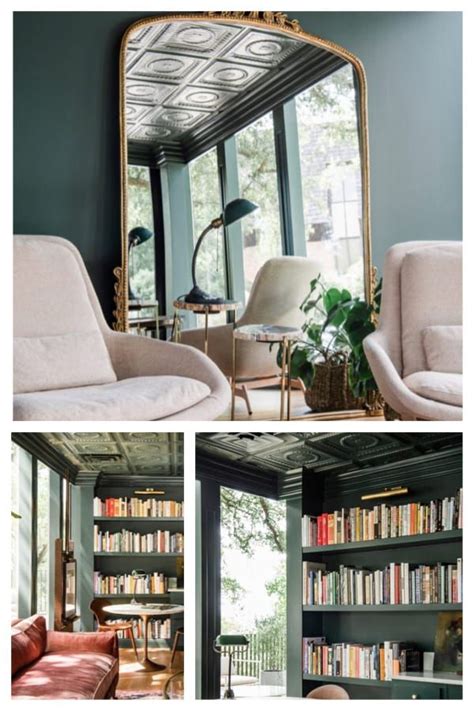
[
  {"x": 416, "y": 352},
  {"x": 69, "y": 365},
  {"x": 276, "y": 295}
]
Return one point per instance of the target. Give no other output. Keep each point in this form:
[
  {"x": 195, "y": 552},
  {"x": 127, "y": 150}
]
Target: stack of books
[
  {"x": 132, "y": 542},
  {"x": 137, "y": 508},
  {"x": 396, "y": 584},
  {"x": 152, "y": 583},
  {"x": 356, "y": 524},
  {"x": 380, "y": 661}
]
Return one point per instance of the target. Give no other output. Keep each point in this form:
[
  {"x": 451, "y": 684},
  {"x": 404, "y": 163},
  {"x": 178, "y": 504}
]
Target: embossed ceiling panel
[
  {"x": 287, "y": 453},
  {"x": 132, "y": 454},
  {"x": 203, "y": 68}
]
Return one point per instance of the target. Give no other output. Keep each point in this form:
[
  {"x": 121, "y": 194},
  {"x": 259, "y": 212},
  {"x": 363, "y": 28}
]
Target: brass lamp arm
[{"x": 214, "y": 225}]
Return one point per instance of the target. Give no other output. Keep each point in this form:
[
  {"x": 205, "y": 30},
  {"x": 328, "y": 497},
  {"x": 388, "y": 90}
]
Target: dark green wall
[{"x": 66, "y": 125}]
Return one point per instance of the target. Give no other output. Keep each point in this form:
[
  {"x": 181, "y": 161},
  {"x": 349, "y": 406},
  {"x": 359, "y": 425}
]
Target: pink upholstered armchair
[{"x": 62, "y": 665}]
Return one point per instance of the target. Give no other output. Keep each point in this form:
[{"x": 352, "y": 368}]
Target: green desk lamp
[
  {"x": 228, "y": 645},
  {"x": 233, "y": 211},
  {"x": 137, "y": 575},
  {"x": 136, "y": 237}
]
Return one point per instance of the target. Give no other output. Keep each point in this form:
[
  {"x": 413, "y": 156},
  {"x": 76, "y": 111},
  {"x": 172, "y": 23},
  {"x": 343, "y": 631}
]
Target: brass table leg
[
  {"x": 288, "y": 385},
  {"x": 232, "y": 407},
  {"x": 206, "y": 329},
  {"x": 176, "y": 324},
  {"x": 283, "y": 378}
]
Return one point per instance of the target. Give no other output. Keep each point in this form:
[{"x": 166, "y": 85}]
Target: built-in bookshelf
[
  {"x": 412, "y": 570},
  {"x": 140, "y": 532}
]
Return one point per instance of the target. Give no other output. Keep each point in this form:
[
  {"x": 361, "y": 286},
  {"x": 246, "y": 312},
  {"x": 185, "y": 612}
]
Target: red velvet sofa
[{"x": 62, "y": 665}]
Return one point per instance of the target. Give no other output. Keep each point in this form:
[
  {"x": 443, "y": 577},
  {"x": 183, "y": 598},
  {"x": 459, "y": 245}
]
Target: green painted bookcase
[
  {"x": 366, "y": 624},
  {"x": 171, "y": 564}
]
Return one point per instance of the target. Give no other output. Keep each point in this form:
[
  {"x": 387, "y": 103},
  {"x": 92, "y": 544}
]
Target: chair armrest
[
  {"x": 219, "y": 344},
  {"x": 100, "y": 642},
  {"x": 394, "y": 391},
  {"x": 133, "y": 356}
]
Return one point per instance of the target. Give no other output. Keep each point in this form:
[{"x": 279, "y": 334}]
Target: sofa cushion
[
  {"x": 145, "y": 398},
  {"x": 443, "y": 348},
  {"x": 66, "y": 361},
  {"x": 28, "y": 641},
  {"x": 75, "y": 675},
  {"x": 431, "y": 294},
  {"x": 442, "y": 387}
]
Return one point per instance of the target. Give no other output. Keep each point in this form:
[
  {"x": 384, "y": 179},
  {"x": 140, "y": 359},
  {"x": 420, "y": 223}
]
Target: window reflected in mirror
[
  {"x": 331, "y": 178},
  {"x": 258, "y": 182},
  {"x": 140, "y": 214}
]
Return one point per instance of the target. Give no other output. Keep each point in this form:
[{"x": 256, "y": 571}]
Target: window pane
[
  {"x": 206, "y": 206},
  {"x": 258, "y": 182},
  {"x": 15, "y": 528},
  {"x": 140, "y": 214},
  {"x": 42, "y": 543},
  {"x": 331, "y": 179}
]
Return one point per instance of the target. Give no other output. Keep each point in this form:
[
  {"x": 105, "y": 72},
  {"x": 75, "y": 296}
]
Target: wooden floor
[
  {"x": 265, "y": 404},
  {"x": 134, "y": 678}
]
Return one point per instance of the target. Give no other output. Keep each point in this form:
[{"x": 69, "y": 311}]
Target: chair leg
[
  {"x": 175, "y": 646},
  {"x": 245, "y": 395},
  {"x": 134, "y": 644}
]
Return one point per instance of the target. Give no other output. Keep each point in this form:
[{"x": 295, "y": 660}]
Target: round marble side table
[
  {"x": 206, "y": 309},
  {"x": 266, "y": 333}
]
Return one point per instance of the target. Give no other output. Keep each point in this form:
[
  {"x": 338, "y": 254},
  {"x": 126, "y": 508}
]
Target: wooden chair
[
  {"x": 179, "y": 633},
  {"x": 97, "y": 607}
]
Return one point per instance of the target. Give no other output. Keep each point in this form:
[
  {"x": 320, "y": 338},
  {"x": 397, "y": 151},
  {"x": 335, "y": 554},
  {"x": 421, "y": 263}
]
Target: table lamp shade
[
  {"x": 237, "y": 209},
  {"x": 231, "y": 640},
  {"x": 138, "y": 236}
]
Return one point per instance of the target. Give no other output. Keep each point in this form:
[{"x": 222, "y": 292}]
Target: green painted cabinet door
[
  {"x": 416, "y": 690},
  {"x": 453, "y": 692}
]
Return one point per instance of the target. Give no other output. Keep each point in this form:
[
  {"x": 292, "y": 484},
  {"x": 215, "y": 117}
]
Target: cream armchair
[
  {"x": 69, "y": 365},
  {"x": 276, "y": 295},
  {"x": 416, "y": 352}
]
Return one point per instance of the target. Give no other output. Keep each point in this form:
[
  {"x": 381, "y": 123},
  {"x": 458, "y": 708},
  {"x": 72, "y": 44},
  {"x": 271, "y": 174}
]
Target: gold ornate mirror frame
[{"x": 269, "y": 20}]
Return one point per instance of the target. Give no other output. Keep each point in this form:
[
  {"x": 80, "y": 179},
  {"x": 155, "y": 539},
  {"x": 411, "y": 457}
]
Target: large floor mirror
[{"x": 226, "y": 106}]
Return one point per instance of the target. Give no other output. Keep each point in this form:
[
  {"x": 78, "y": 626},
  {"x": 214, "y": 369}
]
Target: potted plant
[{"x": 330, "y": 360}]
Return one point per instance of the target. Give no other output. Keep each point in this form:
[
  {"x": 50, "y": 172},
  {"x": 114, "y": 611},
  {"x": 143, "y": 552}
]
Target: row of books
[
  {"x": 380, "y": 661},
  {"x": 158, "y": 629},
  {"x": 349, "y": 525},
  {"x": 133, "y": 506},
  {"x": 396, "y": 584},
  {"x": 152, "y": 583},
  {"x": 133, "y": 542}
]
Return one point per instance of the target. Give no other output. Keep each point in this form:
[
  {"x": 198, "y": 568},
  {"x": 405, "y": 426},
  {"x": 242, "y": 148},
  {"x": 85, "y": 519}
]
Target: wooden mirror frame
[{"x": 270, "y": 21}]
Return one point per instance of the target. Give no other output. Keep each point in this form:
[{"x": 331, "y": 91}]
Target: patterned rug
[{"x": 127, "y": 695}]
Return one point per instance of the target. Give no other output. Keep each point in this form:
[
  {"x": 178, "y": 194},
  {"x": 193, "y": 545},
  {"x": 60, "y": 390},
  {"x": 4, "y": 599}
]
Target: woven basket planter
[{"x": 330, "y": 389}]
